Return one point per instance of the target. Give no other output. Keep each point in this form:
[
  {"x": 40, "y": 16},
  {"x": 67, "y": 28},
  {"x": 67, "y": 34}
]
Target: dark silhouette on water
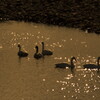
[
  {"x": 93, "y": 66},
  {"x": 37, "y": 55},
  {"x": 21, "y": 53},
  {"x": 64, "y": 65},
  {"x": 46, "y": 52}
]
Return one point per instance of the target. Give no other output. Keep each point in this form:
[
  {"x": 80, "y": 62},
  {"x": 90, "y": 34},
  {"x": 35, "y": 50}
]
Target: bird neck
[
  {"x": 42, "y": 47},
  {"x": 19, "y": 49},
  {"x": 72, "y": 62},
  {"x": 37, "y": 50},
  {"x": 98, "y": 61}
]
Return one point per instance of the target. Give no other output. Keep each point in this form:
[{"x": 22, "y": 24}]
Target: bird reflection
[
  {"x": 93, "y": 66},
  {"x": 19, "y": 60},
  {"x": 37, "y": 55},
  {"x": 46, "y": 52},
  {"x": 64, "y": 65},
  {"x": 21, "y": 53}
]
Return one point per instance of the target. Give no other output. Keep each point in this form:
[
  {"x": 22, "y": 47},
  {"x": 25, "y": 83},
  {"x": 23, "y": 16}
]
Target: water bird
[
  {"x": 64, "y": 65},
  {"x": 93, "y": 66},
  {"x": 37, "y": 55},
  {"x": 21, "y": 53},
  {"x": 46, "y": 52}
]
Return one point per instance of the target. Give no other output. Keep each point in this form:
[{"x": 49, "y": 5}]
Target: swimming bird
[
  {"x": 46, "y": 52},
  {"x": 21, "y": 53},
  {"x": 37, "y": 55},
  {"x": 93, "y": 66},
  {"x": 64, "y": 65}
]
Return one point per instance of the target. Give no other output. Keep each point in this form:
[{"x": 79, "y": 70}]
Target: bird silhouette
[
  {"x": 21, "y": 53},
  {"x": 93, "y": 66},
  {"x": 46, "y": 52},
  {"x": 37, "y": 55},
  {"x": 64, "y": 65}
]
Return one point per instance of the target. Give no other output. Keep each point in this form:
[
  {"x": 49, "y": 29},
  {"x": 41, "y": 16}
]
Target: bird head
[
  {"x": 42, "y": 43},
  {"x": 19, "y": 45},
  {"x": 36, "y": 47}
]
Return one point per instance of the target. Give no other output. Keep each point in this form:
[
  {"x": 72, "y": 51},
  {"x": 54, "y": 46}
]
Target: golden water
[{"x": 31, "y": 79}]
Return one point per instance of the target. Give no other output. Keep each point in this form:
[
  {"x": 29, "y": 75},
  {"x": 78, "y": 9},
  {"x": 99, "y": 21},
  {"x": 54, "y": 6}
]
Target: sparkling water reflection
[{"x": 28, "y": 78}]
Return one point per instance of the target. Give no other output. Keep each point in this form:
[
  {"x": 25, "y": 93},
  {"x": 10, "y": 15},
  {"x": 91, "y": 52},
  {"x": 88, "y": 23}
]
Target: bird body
[
  {"x": 47, "y": 52},
  {"x": 37, "y": 56},
  {"x": 91, "y": 66},
  {"x": 21, "y": 53}
]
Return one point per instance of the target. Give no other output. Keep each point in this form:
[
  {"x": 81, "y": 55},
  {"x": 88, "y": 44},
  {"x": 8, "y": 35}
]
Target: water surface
[{"x": 31, "y": 79}]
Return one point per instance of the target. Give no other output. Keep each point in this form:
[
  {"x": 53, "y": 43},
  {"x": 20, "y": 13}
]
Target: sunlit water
[{"x": 31, "y": 79}]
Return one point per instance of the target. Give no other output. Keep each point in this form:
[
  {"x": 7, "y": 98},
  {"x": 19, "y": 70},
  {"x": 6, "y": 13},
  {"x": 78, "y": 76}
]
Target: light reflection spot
[
  {"x": 60, "y": 46},
  {"x": 72, "y": 96},
  {"x": 47, "y": 90},
  {"x": 84, "y": 76},
  {"x": 87, "y": 61},
  {"x": 57, "y": 81},
  {"x": 68, "y": 91},
  {"x": 1, "y": 47},
  {"x": 93, "y": 96},
  {"x": 86, "y": 84},
  {"x": 43, "y": 79},
  {"x": 60, "y": 58},
  {"x": 42, "y": 37},
  {"x": 71, "y": 39},
  {"x": 65, "y": 57},
  {"x": 85, "y": 45},
  {"x": 22, "y": 99},
  {"x": 53, "y": 90},
  {"x": 38, "y": 32}
]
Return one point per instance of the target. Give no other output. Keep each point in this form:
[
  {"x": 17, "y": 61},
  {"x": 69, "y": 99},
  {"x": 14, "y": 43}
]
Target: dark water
[{"x": 31, "y": 79}]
